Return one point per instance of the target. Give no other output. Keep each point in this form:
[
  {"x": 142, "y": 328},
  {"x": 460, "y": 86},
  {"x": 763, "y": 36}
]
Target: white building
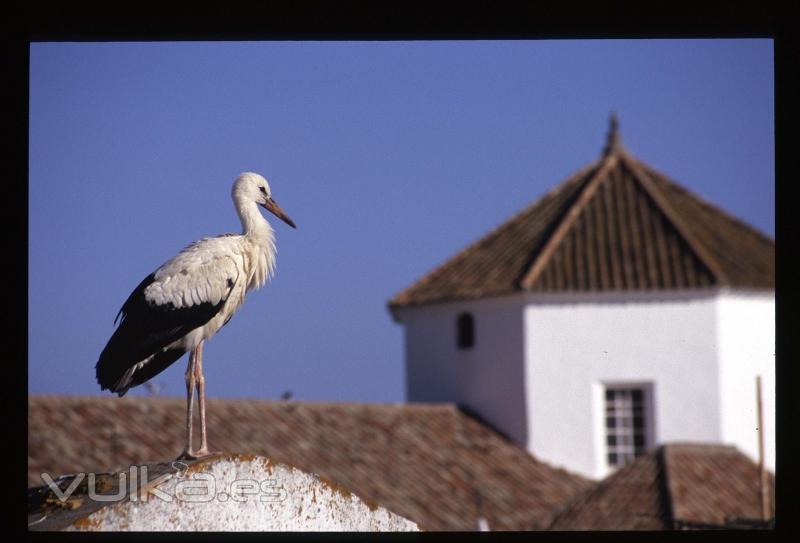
[{"x": 616, "y": 313}]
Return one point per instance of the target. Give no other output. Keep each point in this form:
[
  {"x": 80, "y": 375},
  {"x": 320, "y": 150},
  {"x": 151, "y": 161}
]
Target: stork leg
[
  {"x": 200, "y": 381},
  {"x": 190, "y": 384}
]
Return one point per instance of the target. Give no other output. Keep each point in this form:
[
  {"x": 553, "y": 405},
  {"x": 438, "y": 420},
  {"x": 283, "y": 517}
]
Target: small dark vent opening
[{"x": 466, "y": 331}]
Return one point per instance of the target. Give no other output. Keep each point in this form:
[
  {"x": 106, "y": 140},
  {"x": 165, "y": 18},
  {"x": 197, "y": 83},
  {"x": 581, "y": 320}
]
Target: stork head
[{"x": 253, "y": 187}]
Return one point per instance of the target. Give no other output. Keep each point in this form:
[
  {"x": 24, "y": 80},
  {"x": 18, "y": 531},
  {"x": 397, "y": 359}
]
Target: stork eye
[{"x": 263, "y": 190}]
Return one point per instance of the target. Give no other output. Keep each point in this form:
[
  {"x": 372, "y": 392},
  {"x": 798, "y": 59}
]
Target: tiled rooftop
[
  {"x": 675, "y": 486},
  {"x": 433, "y": 464},
  {"x": 617, "y": 224}
]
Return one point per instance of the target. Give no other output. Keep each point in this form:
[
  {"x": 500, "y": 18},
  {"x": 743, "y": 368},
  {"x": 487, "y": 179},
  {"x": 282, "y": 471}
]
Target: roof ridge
[
  {"x": 442, "y": 406},
  {"x": 464, "y": 413},
  {"x": 596, "y": 489},
  {"x": 428, "y": 276},
  {"x": 662, "y": 202},
  {"x": 569, "y": 218},
  {"x": 650, "y": 170}
]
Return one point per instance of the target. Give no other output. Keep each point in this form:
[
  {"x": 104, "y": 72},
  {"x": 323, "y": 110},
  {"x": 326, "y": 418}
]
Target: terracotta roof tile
[
  {"x": 675, "y": 486},
  {"x": 615, "y": 225},
  {"x": 729, "y": 489},
  {"x": 430, "y": 463}
]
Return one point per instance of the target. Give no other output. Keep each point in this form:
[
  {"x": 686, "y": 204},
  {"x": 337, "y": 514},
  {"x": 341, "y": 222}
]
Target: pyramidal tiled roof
[
  {"x": 679, "y": 485},
  {"x": 617, "y": 224}
]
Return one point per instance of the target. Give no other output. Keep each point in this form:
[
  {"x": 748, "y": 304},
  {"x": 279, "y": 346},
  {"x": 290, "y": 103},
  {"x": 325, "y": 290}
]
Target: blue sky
[{"x": 389, "y": 156}]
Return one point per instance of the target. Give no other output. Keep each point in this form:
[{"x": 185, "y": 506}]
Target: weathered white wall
[
  {"x": 489, "y": 378},
  {"x": 241, "y": 493},
  {"x": 576, "y": 343},
  {"x": 746, "y": 337}
]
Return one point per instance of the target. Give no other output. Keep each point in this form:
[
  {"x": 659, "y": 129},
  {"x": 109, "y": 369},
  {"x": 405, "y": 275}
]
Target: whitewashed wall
[
  {"x": 540, "y": 363},
  {"x": 489, "y": 378},
  {"x": 577, "y": 343},
  {"x": 746, "y": 337}
]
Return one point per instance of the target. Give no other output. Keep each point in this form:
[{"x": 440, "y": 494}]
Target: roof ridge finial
[{"x": 612, "y": 140}]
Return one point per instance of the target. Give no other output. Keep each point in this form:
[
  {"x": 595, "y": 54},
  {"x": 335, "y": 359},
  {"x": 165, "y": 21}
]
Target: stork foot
[
  {"x": 188, "y": 455},
  {"x": 196, "y": 455},
  {"x": 202, "y": 453}
]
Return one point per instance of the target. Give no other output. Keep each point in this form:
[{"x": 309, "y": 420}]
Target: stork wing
[{"x": 183, "y": 294}]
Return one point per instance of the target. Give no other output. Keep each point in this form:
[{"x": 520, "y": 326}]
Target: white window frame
[{"x": 624, "y": 434}]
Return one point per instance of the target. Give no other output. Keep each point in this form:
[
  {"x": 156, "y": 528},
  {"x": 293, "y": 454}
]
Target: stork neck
[{"x": 254, "y": 225}]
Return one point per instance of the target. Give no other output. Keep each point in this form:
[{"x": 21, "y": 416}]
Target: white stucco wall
[
  {"x": 489, "y": 378},
  {"x": 541, "y": 362},
  {"x": 746, "y": 337},
  {"x": 578, "y": 343},
  {"x": 235, "y": 492}
]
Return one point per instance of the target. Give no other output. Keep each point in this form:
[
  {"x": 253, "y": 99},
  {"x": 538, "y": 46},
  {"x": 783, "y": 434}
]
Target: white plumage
[
  {"x": 190, "y": 297},
  {"x": 212, "y": 270}
]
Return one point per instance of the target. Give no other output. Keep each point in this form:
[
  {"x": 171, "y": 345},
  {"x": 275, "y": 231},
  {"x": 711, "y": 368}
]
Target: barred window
[{"x": 626, "y": 424}]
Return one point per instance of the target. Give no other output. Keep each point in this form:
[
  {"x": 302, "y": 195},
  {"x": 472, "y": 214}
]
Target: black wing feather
[{"x": 145, "y": 330}]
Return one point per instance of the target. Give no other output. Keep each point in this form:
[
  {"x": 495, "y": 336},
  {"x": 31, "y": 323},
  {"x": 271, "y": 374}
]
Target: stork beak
[{"x": 273, "y": 207}]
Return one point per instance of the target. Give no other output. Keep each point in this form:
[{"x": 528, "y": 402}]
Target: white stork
[{"x": 188, "y": 299}]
